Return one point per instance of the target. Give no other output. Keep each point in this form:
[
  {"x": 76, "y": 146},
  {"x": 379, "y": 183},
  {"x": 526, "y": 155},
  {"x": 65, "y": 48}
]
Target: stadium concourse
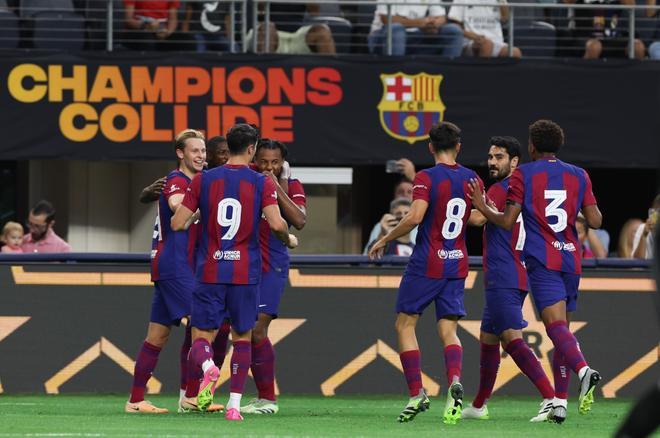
[{"x": 234, "y": 217}]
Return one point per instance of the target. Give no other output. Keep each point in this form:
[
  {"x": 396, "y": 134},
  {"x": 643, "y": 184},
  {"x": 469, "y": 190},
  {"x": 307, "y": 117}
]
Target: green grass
[{"x": 82, "y": 415}]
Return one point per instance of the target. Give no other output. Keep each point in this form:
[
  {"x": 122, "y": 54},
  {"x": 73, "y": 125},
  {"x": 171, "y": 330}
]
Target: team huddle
[{"x": 220, "y": 260}]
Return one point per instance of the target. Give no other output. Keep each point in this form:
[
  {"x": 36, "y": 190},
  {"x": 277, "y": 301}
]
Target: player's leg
[
  {"x": 449, "y": 309},
  {"x": 183, "y": 360},
  {"x": 489, "y": 363},
  {"x": 220, "y": 343},
  {"x": 208, "y": 308},
  {"x": 415, "y": 294},
  {"x": 271, "y": 290},
  {"x": 157, "y": 335},
  {"x": 242, "y": 310}
]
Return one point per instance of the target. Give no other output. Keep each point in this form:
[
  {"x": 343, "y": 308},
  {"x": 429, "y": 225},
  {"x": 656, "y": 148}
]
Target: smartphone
[{"x": 390, "y": 166}]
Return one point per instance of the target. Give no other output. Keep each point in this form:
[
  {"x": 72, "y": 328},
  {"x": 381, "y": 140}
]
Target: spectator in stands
[
  {"x": 151, "y": 24},
  {"x": 591, "y": 244},
  {"x": 12, "y": 237},
  {"x": 626, "y": 237},
  {"x": 482, "y": 28},
  {"x": 643, "y": 241},
  {"x": 208, "y": 24},
  {"x": 315, "y": 38},
  {"x": 416, "y": 29},
  {"x": 603, "y": 32},
  {"x": 404, "y": 245},
  {"x": 404, "y": 189},
  {"x": 42, "y": 238}
]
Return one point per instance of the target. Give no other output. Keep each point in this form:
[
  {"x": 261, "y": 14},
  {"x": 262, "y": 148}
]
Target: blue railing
[{"x": 308, "y": 260}]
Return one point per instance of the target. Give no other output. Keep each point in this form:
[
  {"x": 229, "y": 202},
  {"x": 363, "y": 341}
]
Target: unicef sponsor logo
[
  {"x": 227, "y": 255},
  {"x": 564, "y": 246},
  {"x": 454, "y": 254}
]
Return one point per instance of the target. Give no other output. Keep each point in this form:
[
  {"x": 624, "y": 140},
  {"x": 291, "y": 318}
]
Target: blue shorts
[
  {"x": 172, "y": 300},
  {"x": 212, "y": 303},
  {"x": 549, "y": 287},
  {"x": 271, "y": 289},
  {"x": 417, "y": 292},
  {"x": 503, "y": 310}
]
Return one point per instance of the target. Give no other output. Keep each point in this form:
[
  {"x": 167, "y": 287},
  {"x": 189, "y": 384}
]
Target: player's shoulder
[
  {"x": 467, "y": 171},
  {"x": 499, "y": 187},
  {"x": 575, "y": 169},
  {"x": 176, "y": 173}
]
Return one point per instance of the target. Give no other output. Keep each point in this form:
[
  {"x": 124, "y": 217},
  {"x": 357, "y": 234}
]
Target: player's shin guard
[
  {"x": 183, "y": 357},
  {"x": 412, "y": 368},
  {"x": 561, "y": 375},
  {"x": 240, "y": 364},
  {"x": 144, "y": 367},
  {"x": 524, "y": 357},
  {"x": 489, "y": 364},
  {"x": 263, "y": 369},
  {"x": 453, "y": 362},
  {"x": 565, "y": 342},
  {"x": 220, "y": 344}
]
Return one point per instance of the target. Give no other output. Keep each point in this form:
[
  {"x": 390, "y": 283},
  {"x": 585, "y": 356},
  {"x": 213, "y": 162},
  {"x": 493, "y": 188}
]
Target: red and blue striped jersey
[
  {"x": 274, "y": 253},
  {"x": 440, "y": 250},
  {"x": 551, "y": 194},
  {"x": 171, "y": 251},
  {"x": 230, "y": 199},
  {"x": 502, "y": 249}
]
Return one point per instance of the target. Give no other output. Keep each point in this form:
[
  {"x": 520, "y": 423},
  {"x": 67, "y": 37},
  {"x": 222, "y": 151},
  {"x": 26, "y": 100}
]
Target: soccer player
[
  {"x": 269, "y": 159},
  {"x": 171, "y": 270},
  {"x": 506, "y": 288},
  {"x": 550, "y": 193},
  {"x": 231, "y": 200},
  {"x": 437, "y": 268}
]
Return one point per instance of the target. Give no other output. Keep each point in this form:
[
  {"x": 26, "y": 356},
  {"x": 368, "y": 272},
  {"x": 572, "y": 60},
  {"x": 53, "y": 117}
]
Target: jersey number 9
[{"x": 229, "y": 215}]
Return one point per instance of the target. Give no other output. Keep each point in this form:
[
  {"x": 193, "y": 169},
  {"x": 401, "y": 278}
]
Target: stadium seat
[
  {"x": 364, "y": 17},
  {"x": 341, "y": 31},
  {"x": 8, "y": 30},
  {"x": 538, "y": 39},
  {"x": 58, "y": 30}
]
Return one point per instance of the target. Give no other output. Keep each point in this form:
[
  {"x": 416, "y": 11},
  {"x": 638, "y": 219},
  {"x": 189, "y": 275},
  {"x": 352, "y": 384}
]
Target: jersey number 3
[
  {"x": 229, "y": 215},
  {"x": 554, "y": 209}
]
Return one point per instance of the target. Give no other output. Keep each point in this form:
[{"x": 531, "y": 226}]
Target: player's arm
[
  {"x": 504, "y": 220},
  {"x": 152, "y": 192},
  {"x": 590, "y": 208},
  {"x": 278, "y": 226},
  {"x": 405, "y": 226},
  {"x": 294, "y": 214},
  {"x": 182, "y": 218},
  {"x": 477, "y": 219}
]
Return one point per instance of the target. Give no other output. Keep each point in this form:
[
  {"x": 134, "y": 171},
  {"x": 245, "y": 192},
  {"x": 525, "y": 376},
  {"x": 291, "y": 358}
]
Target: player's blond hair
[
  {"x": 181, "y": 137},
  {"x": 9, "y": 227}
]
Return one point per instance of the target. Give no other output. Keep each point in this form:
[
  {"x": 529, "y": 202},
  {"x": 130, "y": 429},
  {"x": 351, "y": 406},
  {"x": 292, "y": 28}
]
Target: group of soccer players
[
  {"x": 213, "y": 230},
  {"x": 220, "y": 259},
  {"x": 529, "y": 243}
]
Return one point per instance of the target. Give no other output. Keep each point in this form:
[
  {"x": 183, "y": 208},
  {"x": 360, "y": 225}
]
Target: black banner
[
  {"x": 331, "y": 111},
  {"x": 66, "y": 328}
]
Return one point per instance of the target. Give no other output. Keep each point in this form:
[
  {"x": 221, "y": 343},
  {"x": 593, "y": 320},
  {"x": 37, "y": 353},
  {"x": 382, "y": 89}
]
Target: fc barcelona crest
[{"x": 410, "y": 105}]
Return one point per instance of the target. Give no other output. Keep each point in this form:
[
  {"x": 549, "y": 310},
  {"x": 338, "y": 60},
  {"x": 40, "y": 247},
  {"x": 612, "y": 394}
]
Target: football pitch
[{"x": 102, "y": 415}]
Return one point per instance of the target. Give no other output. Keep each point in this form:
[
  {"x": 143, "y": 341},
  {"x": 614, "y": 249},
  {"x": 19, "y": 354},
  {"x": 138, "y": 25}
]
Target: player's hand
[
  {"x": 377, "y": 249},
  {"x": 406, "y": 167},
  {"x": 286, "y": 171},
  {"x": 477, "y": 196},
  {"x": 156, "y": 188},
  {"x": 270, "y": 175},
  {"x": 293, "y": 241}
]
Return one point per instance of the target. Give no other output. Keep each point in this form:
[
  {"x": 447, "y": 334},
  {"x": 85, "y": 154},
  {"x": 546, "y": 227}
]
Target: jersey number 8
[
  {"x": 229, "y": 217},
  {"x": 453, "y": 225}
]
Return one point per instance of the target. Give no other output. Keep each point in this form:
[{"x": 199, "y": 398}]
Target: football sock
[
  {"x": 453, "y": 362},
  {"x": 240, "y": 365},
  {"x": 144, "y": 367},
  {"x": 524, "y": 357},
  {"x": 411, "y": 361},
  {"x": 565, "y": 342},
  {"x": 561, "y": 375},
  {"x": 183, "y": 358},
  {"x": 489, "y": 360},
  {"x": 234, "y": 401},
  {"x": 263, "y": 368},
  {"x": 220, "y": 344}
]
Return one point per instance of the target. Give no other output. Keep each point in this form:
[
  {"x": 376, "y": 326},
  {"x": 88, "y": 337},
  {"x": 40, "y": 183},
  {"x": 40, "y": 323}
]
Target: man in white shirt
[
  {"x": 416, "y": 29},
  {"x": 644, "y": 236},
  {"x": 482, "y": 27}
]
